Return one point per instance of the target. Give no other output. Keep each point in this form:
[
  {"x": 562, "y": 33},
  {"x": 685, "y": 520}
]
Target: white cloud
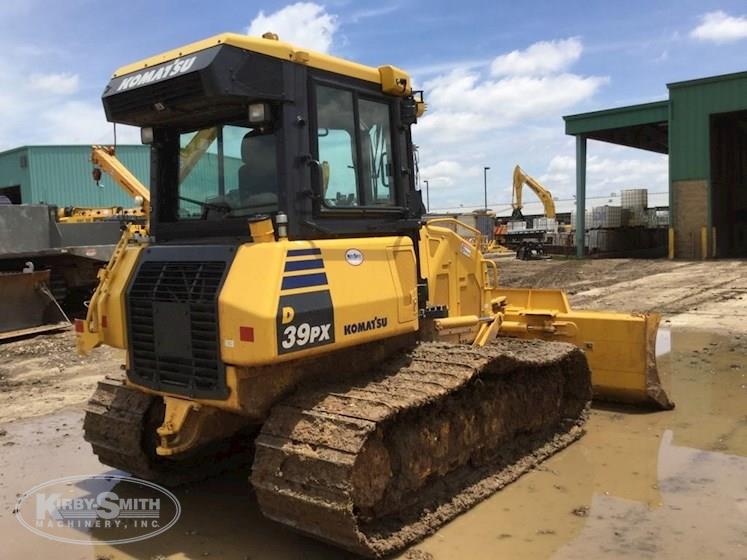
[
  {"x": 480, "y": 118},
  {"x": 48, "y": 107},
  {"x": 461, "y": 103},
  {"x": 60, "y": 84},
  {"x": 607, "y": 173},
  {"x": 80, "y": 122},
  {"x": 541, "y": 58},
  {"x": 720, "y": 27},
  {"x": 446, "y": 173},
  {"x": 367, "y": 13},
  {"x": 305, "y": 24}
]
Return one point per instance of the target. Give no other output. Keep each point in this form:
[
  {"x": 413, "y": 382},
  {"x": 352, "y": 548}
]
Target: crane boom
[
  {"x": 520, "y": 179},
  {"x": 104, "y": 158}
]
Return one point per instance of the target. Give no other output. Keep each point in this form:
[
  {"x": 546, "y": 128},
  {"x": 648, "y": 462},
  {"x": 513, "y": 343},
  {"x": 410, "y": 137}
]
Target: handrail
[{"x": 478, "y": 234}]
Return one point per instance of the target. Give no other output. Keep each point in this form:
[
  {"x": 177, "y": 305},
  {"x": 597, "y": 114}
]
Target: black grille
[
  {"x": 170, "y": 93},
  {"x": 173, "y": 326}
]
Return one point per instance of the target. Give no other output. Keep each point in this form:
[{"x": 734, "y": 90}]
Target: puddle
[{"x": 663, "y": 485}]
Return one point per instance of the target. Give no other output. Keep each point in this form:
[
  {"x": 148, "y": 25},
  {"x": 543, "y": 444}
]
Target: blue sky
[{"x": 498, "y": 75}]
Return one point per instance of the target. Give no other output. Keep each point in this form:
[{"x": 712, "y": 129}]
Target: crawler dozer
[{"x": 288, "y": 305}]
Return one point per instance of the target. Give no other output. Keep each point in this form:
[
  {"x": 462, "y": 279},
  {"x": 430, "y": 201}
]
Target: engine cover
[{"x": 291, "y": 299}]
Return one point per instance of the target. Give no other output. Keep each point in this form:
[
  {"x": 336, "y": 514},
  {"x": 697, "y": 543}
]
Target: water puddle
[{"x": 638, "y": 485}]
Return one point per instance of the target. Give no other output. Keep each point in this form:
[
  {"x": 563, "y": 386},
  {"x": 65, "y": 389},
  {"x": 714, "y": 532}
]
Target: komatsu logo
[
  {"x": 362, "y": 326},
  {"x": 179, "y": 66}
]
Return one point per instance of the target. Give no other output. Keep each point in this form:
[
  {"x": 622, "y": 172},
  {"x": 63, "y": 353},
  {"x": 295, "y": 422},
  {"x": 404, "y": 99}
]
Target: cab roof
[{"x": 393, "y": 80}]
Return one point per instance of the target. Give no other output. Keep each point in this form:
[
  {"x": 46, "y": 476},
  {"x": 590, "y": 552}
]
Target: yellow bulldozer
[{"x": 288, "y": 305}]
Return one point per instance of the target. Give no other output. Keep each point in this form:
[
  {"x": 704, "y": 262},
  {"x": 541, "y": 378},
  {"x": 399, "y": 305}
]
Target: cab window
[
  {"x": 227, "y": 171},
  {"x": 337, "y": 146},
  {"x": 376, "y": 140},
  {"x": 354, "y": 142}
]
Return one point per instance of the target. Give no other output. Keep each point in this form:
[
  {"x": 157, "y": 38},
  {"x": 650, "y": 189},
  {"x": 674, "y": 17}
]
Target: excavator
[
  {"x": 526, "y": 243},
  {"x": 288, "y": 307},
  {"x": 520, "y": 178}
]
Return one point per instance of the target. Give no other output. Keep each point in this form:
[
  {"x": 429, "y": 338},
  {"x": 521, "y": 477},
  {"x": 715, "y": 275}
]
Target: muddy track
[
  {"x": 376, "y": 463},
  {"x": 120, "y": 424}
]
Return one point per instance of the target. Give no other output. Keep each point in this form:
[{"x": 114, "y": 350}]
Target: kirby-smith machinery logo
[{"x": 88, "y": 509}]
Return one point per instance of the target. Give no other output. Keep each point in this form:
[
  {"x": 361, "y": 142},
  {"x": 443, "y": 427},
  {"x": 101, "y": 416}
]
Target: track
[
  {"x": 376, "y": 463},
  {"x": 120, "y": 424}
]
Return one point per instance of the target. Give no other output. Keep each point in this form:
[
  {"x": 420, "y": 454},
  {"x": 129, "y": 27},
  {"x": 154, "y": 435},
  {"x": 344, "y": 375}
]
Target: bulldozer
[{"x": 288, "y": 307}]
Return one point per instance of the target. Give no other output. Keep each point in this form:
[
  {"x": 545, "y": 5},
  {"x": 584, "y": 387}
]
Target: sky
[{"x": 498, "y": 76}]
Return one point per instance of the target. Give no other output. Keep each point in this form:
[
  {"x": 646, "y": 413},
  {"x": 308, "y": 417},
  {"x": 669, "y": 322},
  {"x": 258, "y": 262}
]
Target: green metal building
[
  {"x": 703, "y": 128},
  {"x": 61, "y": 176}
]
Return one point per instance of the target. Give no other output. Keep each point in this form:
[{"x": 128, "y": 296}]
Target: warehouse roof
[
  {"x": 708, "y": 80},
  {"x": 643, "y": 126}
]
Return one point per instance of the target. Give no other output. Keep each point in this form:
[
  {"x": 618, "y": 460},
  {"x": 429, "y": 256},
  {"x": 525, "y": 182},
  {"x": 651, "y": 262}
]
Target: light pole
[
  {"x": 427, "y": 196},
  {"x": 485, "y": 182}
]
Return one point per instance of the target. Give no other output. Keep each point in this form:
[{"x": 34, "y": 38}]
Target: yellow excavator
[
  {"x": 528, "y": 244},
  {"x": 520, "y": 178},
  {"x": 288, "y": 307}
]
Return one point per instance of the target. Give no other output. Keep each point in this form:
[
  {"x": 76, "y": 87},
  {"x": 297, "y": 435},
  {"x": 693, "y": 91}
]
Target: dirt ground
[
  {"x": 635, "y": 487},
  {"x": 42, "y": 374},
  {"x": 709, "y": 294}
]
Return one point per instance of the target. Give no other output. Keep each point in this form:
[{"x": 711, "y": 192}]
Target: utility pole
[
  {"x": 427, "y": 196},
  {"x": 485, "y": 182}
]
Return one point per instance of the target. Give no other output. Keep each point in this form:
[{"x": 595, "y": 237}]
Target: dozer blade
[
  {"x": 27, "y": 306},
  {"x": 620, "y": 347},
  {"x": 375, "y": 463}
]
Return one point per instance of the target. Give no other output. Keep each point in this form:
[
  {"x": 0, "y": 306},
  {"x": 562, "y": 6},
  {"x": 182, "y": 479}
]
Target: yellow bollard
[{"x": 671, "y": 242}]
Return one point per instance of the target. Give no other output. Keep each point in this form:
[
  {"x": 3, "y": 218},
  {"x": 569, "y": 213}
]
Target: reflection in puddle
[
  {"x": 665, "y": 485},
  {"x": 663, "y": 341}
]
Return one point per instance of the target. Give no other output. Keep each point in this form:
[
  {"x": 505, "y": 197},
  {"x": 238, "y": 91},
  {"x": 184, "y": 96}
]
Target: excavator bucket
[
  {"x": 620, "y": 347},
  {"x": 27, "y": 306}
]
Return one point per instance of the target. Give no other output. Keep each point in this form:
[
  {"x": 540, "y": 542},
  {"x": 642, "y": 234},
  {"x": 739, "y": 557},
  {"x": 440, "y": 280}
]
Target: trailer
[{"x": 48, "y": 263}]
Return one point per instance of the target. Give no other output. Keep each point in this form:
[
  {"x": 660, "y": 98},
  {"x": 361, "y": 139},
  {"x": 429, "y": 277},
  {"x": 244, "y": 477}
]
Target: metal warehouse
[
  {"x": 61, "y": 176},
  {"x": 703, "y": 128}
]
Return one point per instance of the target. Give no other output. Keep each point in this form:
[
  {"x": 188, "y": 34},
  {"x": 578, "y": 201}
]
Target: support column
[{"x": 580, "y": 194}]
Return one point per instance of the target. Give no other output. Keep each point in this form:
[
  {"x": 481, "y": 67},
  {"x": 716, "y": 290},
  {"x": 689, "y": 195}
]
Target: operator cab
[{"x": 241, "y": 128}]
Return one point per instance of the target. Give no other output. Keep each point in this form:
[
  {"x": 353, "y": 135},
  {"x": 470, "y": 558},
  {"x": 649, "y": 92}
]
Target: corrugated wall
[
  {"x": 692, "y": 105},
  {"x": 61, "y": 175},
  {"x": 12, "y": 173}
]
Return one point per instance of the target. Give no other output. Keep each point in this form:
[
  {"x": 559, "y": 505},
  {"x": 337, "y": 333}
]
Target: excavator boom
[
  {"x": 104, "y": 158},
  {"x": 520, "y": 179}
]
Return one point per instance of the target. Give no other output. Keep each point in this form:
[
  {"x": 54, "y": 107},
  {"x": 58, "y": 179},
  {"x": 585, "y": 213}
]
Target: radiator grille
[{"x": 194, "y": 286}]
